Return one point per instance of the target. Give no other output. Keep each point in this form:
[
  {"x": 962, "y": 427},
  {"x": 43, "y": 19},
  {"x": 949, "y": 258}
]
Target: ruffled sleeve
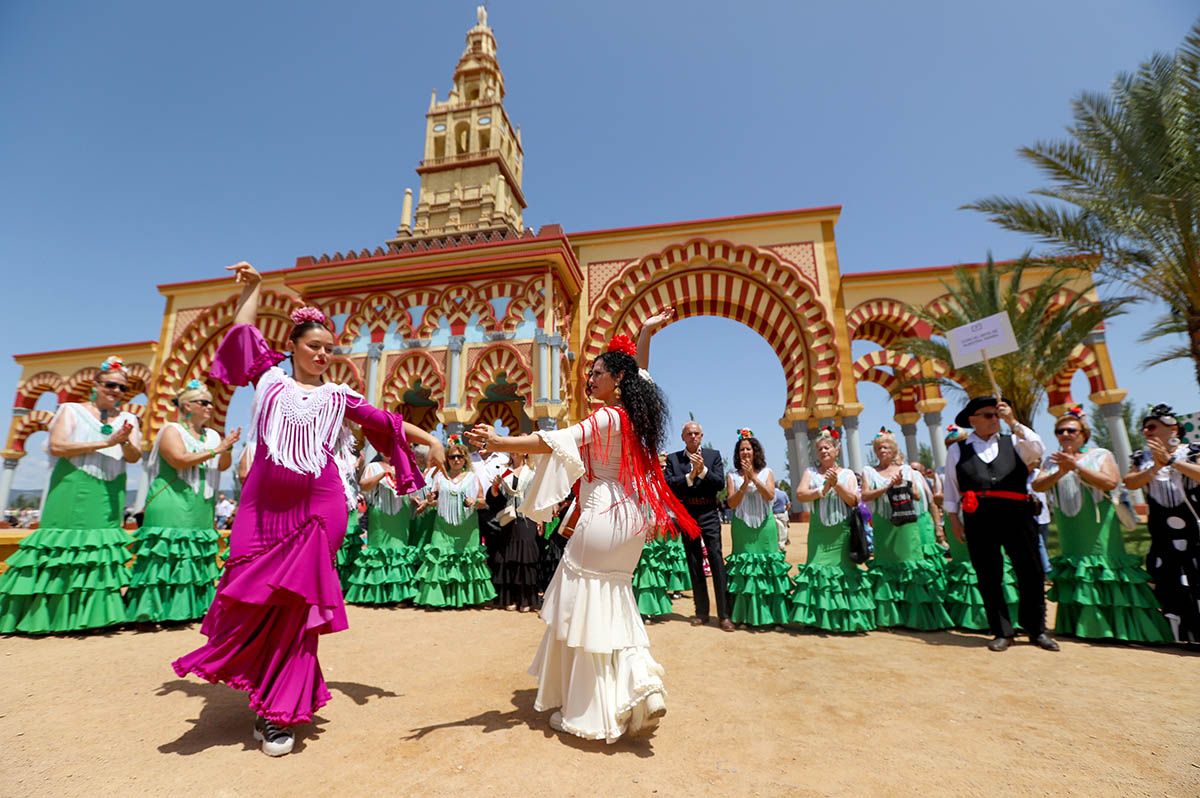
[
  {"x": 243, "y": 356},
  {"x": 385, "y": 431},
  {"x": 554, "y": 473}
]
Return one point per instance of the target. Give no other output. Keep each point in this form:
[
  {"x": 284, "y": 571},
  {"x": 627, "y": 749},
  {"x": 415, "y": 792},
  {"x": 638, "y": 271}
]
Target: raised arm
[
  {"x": 649, "y": 327},
  {"x": 251, "y": 280}
]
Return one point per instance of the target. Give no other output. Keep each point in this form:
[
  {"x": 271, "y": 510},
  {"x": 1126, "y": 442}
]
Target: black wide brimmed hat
[{"x": 963, "y": 419}]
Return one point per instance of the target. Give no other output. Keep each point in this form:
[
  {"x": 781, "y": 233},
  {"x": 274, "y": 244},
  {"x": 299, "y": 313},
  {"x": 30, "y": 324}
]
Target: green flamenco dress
[
  {"x": 384, "y": 572},
  {"x": 1101, "y": 590},
  {"x": 651, "y": 579},
  {"x": 67, "y": 575},
  {"x": 909, "y": 590},
  {"x": 830, "y": 591},
  {"x": 757, "y": 569},
  {"x": 175, "y": 567},
  {"x": 454, "y": 571},
  {"x": 964, "y": 603}
]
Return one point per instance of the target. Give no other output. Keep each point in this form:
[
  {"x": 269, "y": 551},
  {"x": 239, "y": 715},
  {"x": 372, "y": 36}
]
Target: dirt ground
[{"x": 428, "y": 703}]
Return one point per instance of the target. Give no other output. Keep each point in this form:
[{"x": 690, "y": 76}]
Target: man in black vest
[
  {"x": 987, "y": 478},
  {"x": 696, "y": 476}
]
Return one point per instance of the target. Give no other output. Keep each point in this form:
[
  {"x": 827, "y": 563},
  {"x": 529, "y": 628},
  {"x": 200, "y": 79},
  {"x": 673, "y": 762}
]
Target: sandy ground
[{"x": 433, "y": 704}]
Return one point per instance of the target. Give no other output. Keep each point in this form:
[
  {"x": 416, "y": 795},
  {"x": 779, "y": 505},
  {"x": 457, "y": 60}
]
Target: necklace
[{"x": 105, "y": 427}]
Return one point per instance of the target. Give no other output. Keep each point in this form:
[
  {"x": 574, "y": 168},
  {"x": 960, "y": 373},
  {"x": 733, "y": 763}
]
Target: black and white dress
[{"x": 1174, "y": 557}]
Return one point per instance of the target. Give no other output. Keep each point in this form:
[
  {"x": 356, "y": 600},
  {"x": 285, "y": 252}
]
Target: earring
[
  {"x": 617, "y": 393},
  {"x": 92, "y": 395}
]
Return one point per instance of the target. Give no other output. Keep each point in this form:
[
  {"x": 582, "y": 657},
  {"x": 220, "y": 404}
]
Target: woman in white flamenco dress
[{"x": 594, "y": 662}]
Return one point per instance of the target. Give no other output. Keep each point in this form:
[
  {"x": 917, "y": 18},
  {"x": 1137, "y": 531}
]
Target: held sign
[{"x": 989, "y": 337}]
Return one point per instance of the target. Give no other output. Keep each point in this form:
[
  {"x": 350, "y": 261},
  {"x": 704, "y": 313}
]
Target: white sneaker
[
  {"x": 276, "y": 740},
  {"x": 556, "y": 721}
]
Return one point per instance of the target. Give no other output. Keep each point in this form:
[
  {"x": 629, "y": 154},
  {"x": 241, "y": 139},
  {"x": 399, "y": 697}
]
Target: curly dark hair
[
  {"x": 757, "y": 458},
  {"x": 643, "y": 401}
]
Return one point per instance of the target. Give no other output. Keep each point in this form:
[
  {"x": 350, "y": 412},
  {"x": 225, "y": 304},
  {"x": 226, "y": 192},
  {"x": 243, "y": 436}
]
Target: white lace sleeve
[{"x": 554, "y": 473}]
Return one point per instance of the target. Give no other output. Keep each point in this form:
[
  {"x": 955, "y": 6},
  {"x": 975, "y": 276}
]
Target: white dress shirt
[{"x": 1029, "y": 448}]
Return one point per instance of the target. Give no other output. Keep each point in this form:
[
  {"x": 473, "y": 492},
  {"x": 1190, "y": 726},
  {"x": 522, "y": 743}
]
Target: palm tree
[
  {"x": 1049, "y": 320},
  {"x": 1125, "y": 188}
]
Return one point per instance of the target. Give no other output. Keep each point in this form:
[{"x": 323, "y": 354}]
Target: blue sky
[{"x": 149, "y": 142}]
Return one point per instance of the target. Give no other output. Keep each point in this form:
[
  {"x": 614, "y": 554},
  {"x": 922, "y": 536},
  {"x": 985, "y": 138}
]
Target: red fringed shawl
[{"x": 641, "y": 476}]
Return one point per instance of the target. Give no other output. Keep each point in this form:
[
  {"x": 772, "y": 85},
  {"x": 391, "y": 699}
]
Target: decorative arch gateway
[
  {"x": 25, "y": 426},
  {"x": 501, "y": 374},
  {"x": 507, "y": 413},
  {"x": 416, "y": 386},
  {"x": 739, "y": 282},
  {"x": 191, "y": 355}
]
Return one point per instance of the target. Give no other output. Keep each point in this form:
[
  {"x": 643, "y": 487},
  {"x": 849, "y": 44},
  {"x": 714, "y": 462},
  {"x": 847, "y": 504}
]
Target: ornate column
[
  {"x": 802, "y": 452},
  {"x": 908, "y": 428},
  {"x": 850, "y": 445},
  {"x": 454, "y": 371},
  {"x": 1114, "y": 420},
  {"x": 374, "y": 355},
  {"x": 932, "y": 411},
  {"x": 6, "y": 479}
]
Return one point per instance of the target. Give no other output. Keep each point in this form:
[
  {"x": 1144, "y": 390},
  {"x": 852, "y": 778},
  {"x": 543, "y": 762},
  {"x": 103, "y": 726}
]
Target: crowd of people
[{"x": 595, "y": 525}]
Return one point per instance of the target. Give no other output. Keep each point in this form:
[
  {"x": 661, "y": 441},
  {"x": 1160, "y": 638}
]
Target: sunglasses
[
  {"x": 456, "y": 457},
  {"x": 202, "y": 402},
  {"x": 1067, "y": 431},
  {"x": 115, "y": 386},
  {"x": 988, "y": 416}
]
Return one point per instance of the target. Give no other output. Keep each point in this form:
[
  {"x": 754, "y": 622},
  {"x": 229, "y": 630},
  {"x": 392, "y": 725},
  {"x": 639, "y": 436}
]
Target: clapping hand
[
  {"x": 245, "y": 273},
  {"x": 697, "y": 463},
  {"x": 1065, "y": 461},
  {"x": 899, "y": 478},
  {"x": 229, "y": 440},
  {"x": 831, "y": 477},
  {"x": 1158, "y": 452},
  {"x": 121, "y": 436}
]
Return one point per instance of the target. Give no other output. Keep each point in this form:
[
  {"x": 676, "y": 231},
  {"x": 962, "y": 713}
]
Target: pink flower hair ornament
[
  {"x": 303, "y": 315},
  {"x": 745, "y": 434}
]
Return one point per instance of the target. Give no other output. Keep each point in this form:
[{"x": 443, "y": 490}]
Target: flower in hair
[
  {"x": 745, "y": 434},
  {"x": 883, "y": 432},
  {"x": 301, "y": 315},
  {"x": 1076, "y": 410},
  {"x": 1164, "y": 413},
  {"x": 454, "y": 439},
  {"x": 623, "y": 344},
  {"x": 112, "y": 363},
  {"x": 193, "y": 385},
  {"x": 832, "y": 432}
]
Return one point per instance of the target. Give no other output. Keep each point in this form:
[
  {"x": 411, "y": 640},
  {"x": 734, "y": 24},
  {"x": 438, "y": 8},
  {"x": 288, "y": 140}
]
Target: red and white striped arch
[
  {"x": 877, "y": 318},
  {"x": 743, "y": 283},
  {"x": 413, "y": 367},
  {"x": 24, "y": 426},
  {"x": 345, "y": 371},
  {"x": 504, "y": 412},
  {"x": 499, "y": 357},
  {"x": 1058, "y": 392},
  {"x": 192, "y": 354},
  {"x": 30, "y": 390},
  {"x": 870, "y": 368}
]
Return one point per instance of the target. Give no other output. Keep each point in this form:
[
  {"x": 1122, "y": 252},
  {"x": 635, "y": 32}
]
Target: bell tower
[{"x": 471, "y": 171}]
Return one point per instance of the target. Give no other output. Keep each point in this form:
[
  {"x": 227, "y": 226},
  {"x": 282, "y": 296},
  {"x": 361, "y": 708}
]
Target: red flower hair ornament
[
  {"x": 623, "y": 344},
  {"x": 745, "y": 434},
  {"x": 1077, "y": 411}
]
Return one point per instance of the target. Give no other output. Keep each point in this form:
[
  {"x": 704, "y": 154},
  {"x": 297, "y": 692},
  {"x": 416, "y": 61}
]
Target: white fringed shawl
[{"x": 299, "y": 428}]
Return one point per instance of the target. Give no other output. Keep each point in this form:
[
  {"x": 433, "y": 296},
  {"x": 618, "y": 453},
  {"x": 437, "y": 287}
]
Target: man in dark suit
[{"x": 696, "y": 476}]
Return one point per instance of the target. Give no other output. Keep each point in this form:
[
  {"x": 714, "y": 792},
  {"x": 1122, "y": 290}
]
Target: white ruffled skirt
[{"x": 594, "y": 660}]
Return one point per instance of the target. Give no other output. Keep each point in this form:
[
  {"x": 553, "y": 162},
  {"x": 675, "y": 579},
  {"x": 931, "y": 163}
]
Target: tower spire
[{"x": 473, "y": 164}]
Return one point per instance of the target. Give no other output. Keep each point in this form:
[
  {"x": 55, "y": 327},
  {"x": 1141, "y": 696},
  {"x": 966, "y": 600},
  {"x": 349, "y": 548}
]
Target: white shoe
[
  {"x": 656, "y": 707},
  {"x": 276, "y": 740},
  {"x": 556, "y": 721}
]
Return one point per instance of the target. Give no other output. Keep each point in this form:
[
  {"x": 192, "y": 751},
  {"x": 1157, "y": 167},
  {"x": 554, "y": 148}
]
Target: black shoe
[
  {"x": 1044, "y": 641},
  {"x": 276, "y": 740},
  {"x": 999, "y": 643}
]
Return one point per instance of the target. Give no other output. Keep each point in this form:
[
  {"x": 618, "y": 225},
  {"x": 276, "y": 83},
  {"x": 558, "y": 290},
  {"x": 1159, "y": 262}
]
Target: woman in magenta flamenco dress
[{"x": 280, "y": 588}]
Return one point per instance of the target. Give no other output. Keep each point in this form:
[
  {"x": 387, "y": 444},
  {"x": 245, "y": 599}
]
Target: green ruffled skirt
[
  {"x": 830, "y": 591},
  {"x": 67, "y": 575},
  {"x": 385, "y": 571},
  {"x": 909, "y": 590},
  {"x": 1107, "y": 598},
  {"x": 658, "y": 574},
  {"x": 964, "y": 603},
  {"x": 175, "y": 554},
  {"x": 349, "y": 551},
  {"x": 454, "y": 570},
  {"x": 758, "y": 575}
]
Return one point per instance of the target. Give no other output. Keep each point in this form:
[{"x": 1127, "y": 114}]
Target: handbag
[
  {"x": 1123, "y": 505},
  {"x": 901, "y": 498},
  {"x": 507, "y": 515},
  {"x": 860, "y": 547}
]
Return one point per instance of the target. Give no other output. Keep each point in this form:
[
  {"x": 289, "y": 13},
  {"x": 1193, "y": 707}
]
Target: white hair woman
[
  {"x": 68, "y": 574},
  {"x": 174, "y": 574},
  {"x": 831, "y": 591},
  {"x": 909, "y": 589}
]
